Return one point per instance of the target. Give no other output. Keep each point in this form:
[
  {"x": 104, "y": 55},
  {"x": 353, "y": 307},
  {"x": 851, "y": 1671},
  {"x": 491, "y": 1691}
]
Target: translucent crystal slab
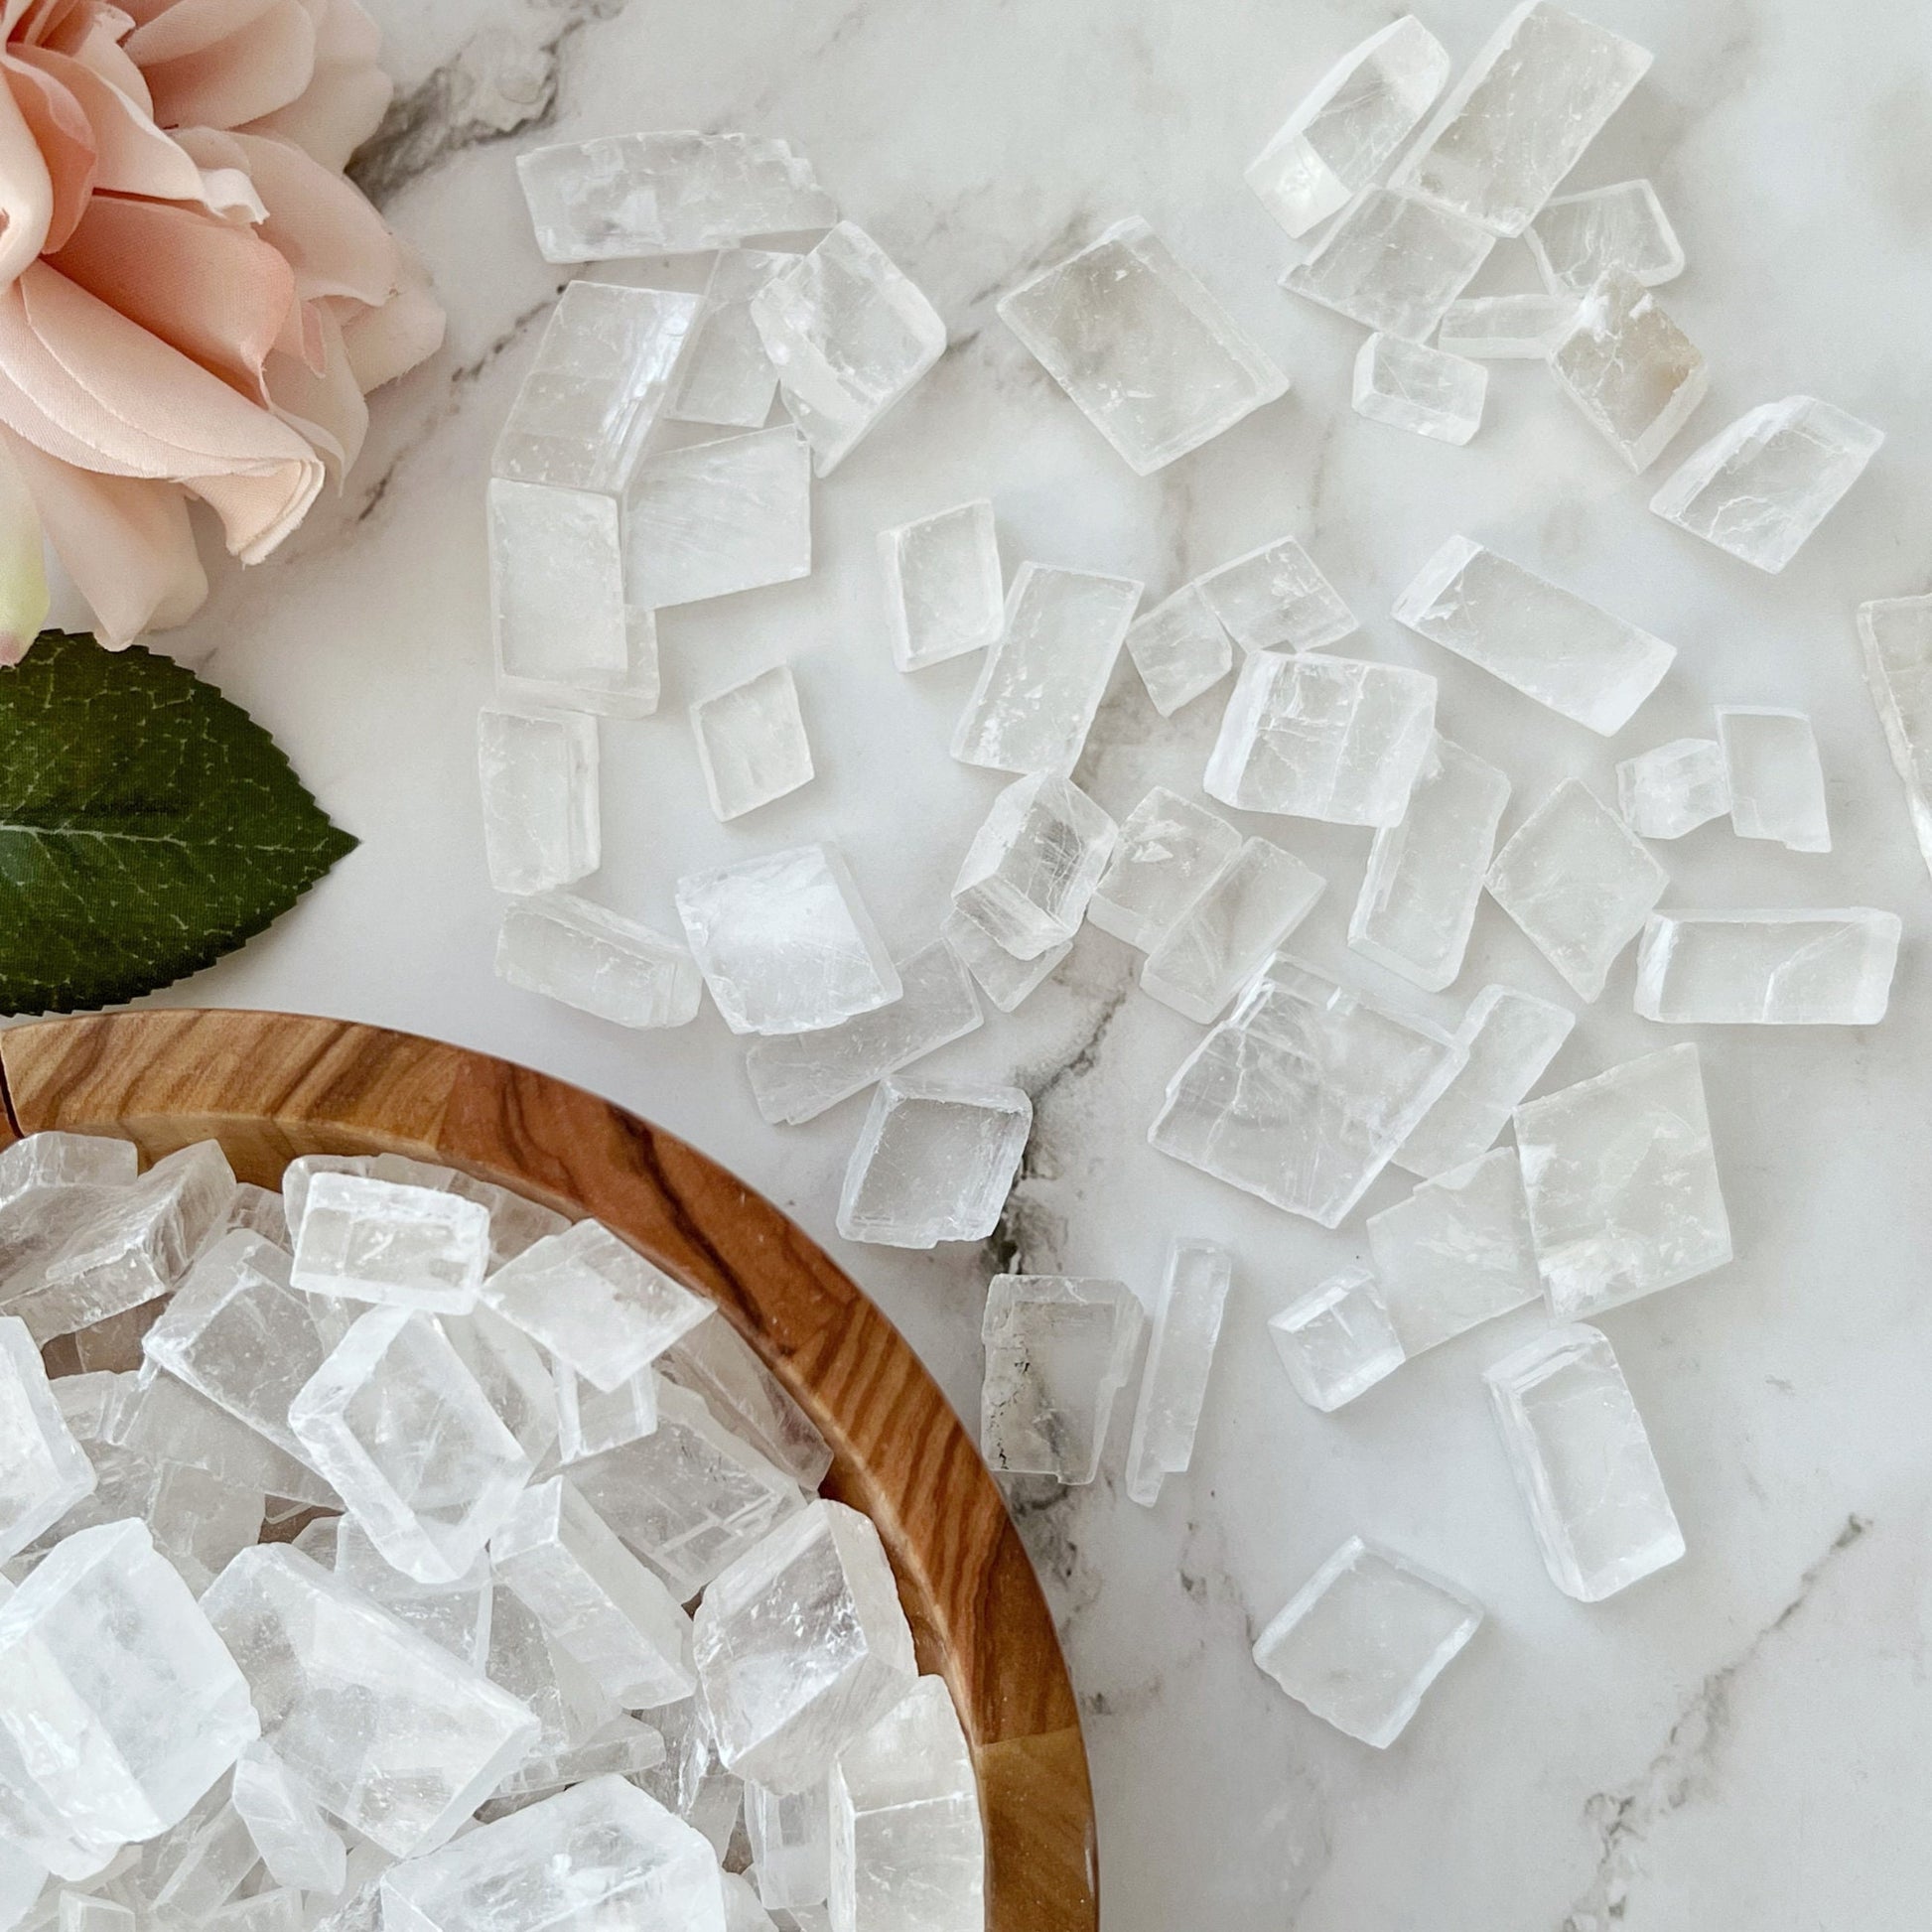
[
  {"x": 1223, "y": 938},
  {"x": 1005, "y": 979},
  {"x": 727, "y": 378},
  {"x": 1153, "y": 360},
  {"x": 797, "y": 1076},
  {"x": 510, "y": 1370},
  {"x": 50, "y": 1161},
  {"x": 1503, "y": 328},
  {"x": 849, "y": 333},
  {"x": 784, "y": 941},
  {"x": 1336, "y": 1340},
  {"x": 716, "y": 1362},
  {"x": 455, "y": 1616},
  {"x": 587, "y": 957},
  {"x": 619, "y": 1749},
  {"x": 1058, "y": 1351},
  {"x": 296, "y": 1843},
  {"x": 44, "y": 1472},
  {"x": 300, "y": 1171},
  {"x": 559, "y": 1693},
  {"x": 259, "y": 1210},
  {"x": 1629, "y": 368},
  {"x": 166, "y": 1421},
  {"x": 200, "y": 1869},
  {"x": 1578, "y": 882},
  {"x": 1042, "y": 680},
  {"x": 1896, "y": 644},
  {"x": 1362, "y": 1640},
  {"x": 1777, "y": 968},
  {"x": 538, "y": 774},
  {"x": 1578, "y": 239},
  {"x": 590, "y": 1421},
  {"x": 1622, "y": 1183},
  {"x": 1274, "y": 598},
  {"x": 1328, "y": 737},
  {"x": 1761, "y": 487},
  {"x": 752, "y": 743},
  {"x": 944, "y": 592},
  {"x": 1521, "y": 115},
  {"x": 666, "y": 193},
  {"x": 1186, "y": 1326},
  {"x": 1427, "y": 392},
  {"x": 1034, "y": 865},
  {"x": 934, "y": 1161},
  {"x": 1777, "y": 784},
  {"x": 199, "y": 1524},
  {"x": 1675, "y": 788},
  {"x": 280, "y": 1910},
  {"x": 713, "y": 518},
  {"x": 1547, "y": 643},
  {"x": 1303, "y": 1092},
  {"x": 790, "y": 1845},
  {"x": 1168, "y": 851},
  {"x": 1393, "y": 263},
  {"x": 1179, "y": 649},
  {"x": 386, "y": 1241},
  {"x": 516, "y": 1221},
  {"x": 595, "y": 1303},
  {"x": 1583, "y": 1463},
  {"x": 1419, "y": 895},
  {"x": 1349, "y": 124}
]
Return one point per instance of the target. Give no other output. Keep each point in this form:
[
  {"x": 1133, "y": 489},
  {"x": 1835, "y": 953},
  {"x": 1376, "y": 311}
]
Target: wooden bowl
[{"x": 269, "y": 1086}]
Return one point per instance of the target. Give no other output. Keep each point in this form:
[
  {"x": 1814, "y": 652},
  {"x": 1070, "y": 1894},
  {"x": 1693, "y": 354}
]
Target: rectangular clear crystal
[
  {"x": 944, "y": 592},
  {"x": 1005, "y": 979},
  {"x": 934, "y": 1161},
  {"x": 1034, "y": 865},
  {"x": 587, "y": 957},
  {"x": 455, "y": 1616},
  {"x": 790, "y": 1846},
  {"x": 1629, "y": 368},
  {"x": 298, "y": 1847},
  {"x": 727, "y": 379},
  {"x": 538, "y": 773},
  {"x": 1777, "y": 784},
  {"x": 1392, "y": 263},
  {"x": 1426, "y": 391},
  {"x": 1217, "y": 944},
  {"x": 1506, "y": 328},
  {"x": 714, "y": 1361},
  {"x": 371, "y": 1240},
  {"x": 1168, "y": 851},
  {"x": 1186, "y": 1326},
  {"x": 751, "y": 743},
  {"x": 1578, "y": 239},
  {"x": 1336, "y": 1340},
  {"x": 1674, "y": 788},
  {"x": 44, "y": 1472},
  {"x": 590, "y": 1420},
  {"x": 1775, "y": 968},
  {"x": 1179, "y": 649},
  {"x": 1274, "y": 598}
]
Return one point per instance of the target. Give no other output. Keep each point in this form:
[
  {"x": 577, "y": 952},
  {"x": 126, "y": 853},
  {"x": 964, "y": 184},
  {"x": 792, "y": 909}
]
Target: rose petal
[
  {"x": 261, "y": 67},
  {"x": 335, "y": 243},
  {"x": 324, "y": 405},
  {"x": 25, "y": 190},
  {"x": 23, "y": 574},
  {"x": 181, "y": 26},
  {"x": 385, "y": 342},
  {"x": 347, "y": 94},
  {"x": 65, "y": 141}
]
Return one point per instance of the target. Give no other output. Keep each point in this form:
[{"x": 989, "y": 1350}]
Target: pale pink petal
[
  {"x": 65, "y": 141},
  {"x": 23, "y": 572},
  {"x": 25, "y": 190},
  {"x": 181, "y": 27},
  {"x": 256, "y": 70},
  {"x": 335, "y": 243},
  {"x": 325, "y": 406},
  {"x": 406, "y": 330},
  {"x": 347, "y": 96}
]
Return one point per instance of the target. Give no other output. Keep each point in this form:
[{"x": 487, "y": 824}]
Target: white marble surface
[{"x": 1739, "y": 1741}]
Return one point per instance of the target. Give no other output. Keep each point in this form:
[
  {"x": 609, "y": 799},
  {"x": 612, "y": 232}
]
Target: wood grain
[{"x": 269, "y": 1086}]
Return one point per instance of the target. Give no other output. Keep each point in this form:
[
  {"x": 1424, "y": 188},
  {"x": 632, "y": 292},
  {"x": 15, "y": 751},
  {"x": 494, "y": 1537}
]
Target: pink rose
[{"x": 193, "y": 301}]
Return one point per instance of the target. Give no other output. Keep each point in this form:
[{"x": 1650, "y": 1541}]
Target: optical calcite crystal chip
[
  {"x": 49, "y": 1183},
  {"x": 1419, "y": 895},
  {"x": 557, "y": 1691},
  {"x": 712, "y": 519},
  {"x": 789, "y": 1834},
  {"x": 509, "y": 1369},
  {"x": 44, "y": 1472},
  {"x": 1578, "y": 239},
  {"x": 1895, "y": 644},
  {"x": 1547, "y": 643},
  {"x": 201, "y": 1867},
  {"x": 1775, "y": 968},
  {"x": 1274, "y": 598},
  {"x": 673, "y": 193},
  {"x": 296, "y": 1843},
  {"x": 1629, "y": 368},
  {"x": 797, "y": 1076},
  {"x": 1392, "y": 263},
  {"x": 585, "y": 957},
  {"x": 934, "y": 1161},
  {"x": 944, "y": 592},
  {"x": 538, "y": 773},
  {"x": 1579, "y": 881},
  {"x": 386, "y": 1241},
  {"x": 1506, "y": 328},
  {"x": 1034, "y": 863},
  {"x": 1154, "y": 361},
  {"x": 716, "y": 1362},
  {"x": 590, "y": 1421},
  {"x": 1349, "y": 124},
  {"x": 1179, "y": 649},
  {"x": 197, "y": 1523},
  {"x": 1584, "y": 1463},
  {"x": 1338, "y": 1340},
  {"x": 1186, "y": 1326},
  {"x": 1168, "y": 851},
  {"x": 1362, "y": 1640},
  {"x": 727, "y": 379},
  {"x": 1425, "y": 390},
  {"x": 166, "y": 1421},
  {"x": 1005, "y": 979},
  {"x": 1674, "y": 788},
  {"x": 1242, "y": 916},
  {"x": 1044, "y": 679},
  {"x": 752, "y": 743},
  {"x": 455, "y": 1616},
  {"x": 1328, "y": 737},
  {"x": 1058, "y": 1351},
  {"x": 784, "y": 941},
  {"x": 1777, "y": 784},
  {"x": 849, "y": 333},
  {"x": 280, "y": 1910}
]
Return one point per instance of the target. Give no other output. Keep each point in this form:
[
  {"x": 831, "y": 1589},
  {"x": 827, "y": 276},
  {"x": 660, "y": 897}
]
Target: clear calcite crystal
[
  {"x": 1547, "y": 643},
  {"x": 727, "y": 379},
  {"x": 1274, "y": 598},
  {"x": 1185, "y": 1326},
  {"x": 1629, "y": 368},
  {"x": 199, "y": 1524},
  {"x": 1362, "y": 1640},
  {"x": 802, "y": 1647},
  {"x": 1777, "y": 784},
  {"x": 1349, "y": 124},
  {"x": 794, "y": 1078},
  {"x": 455, "y": 1616},
  {"x": 1579, "y": 881},
  {"x": 1303, "y": 1092},
  {"x": 1336, "y": 1340},
  {"x": 1578, "y": 239},
  {"x": 595, "y": 960},
  {"x": 908, "y": 1852},
  {"x": 1424, "y": 390},
  {"x": 1329, "y": 737},
  {"x": 1896, "y": 644},
  {"x": 1521, "y": 115},
  {"x": 789, "y": 1834},
  {"x": 1244, "y": 914},
  {"x": 934, "y": 1161},
  {"x": 1154, "y": 361},
  {"x": 300, "y": 1171},
  {"x": 1776, "y": 968},
  {"x": 538, "y": 773},
  {"x": 202, "y": 1867},
  {"x": 849, "y": 333},
  {"x": 1168, "y": 851},
  {"x": 944, "y": 592},
  {"x": 388, "y": 1241},
  {"x": 1506, "y": 328},
  {"x": 1005, "y": 979},
  {"x": 1033, "y": 866},
  {"x": 44, "y": 1472},
  {"x": 1044, "y": 679},
  {"x": 1584, "y": 1463},
  {"x": 1674, "y": 788},
  {"x": 259, "y": 1210},
  {"x": 1393, "y": 263},
  {"x": 711, "y": 518},
  {"x": 280, "y": 1910},
  {"x": 508, "y": 1367},
  {"x": 752, "y": 743},
  {"x": 558, "y": 1692},
  {"x": 1760, "y": 488},
  {"x": 1058, "y": 1351},
  {"x": 296, "y": 1843},
  {"x": 590, "y": 1421},
  {"x": 1419, "y": 895},
  {"x": 166, "y": 1421},
  {"x": 1622, "y": 1183},
  {"x": 1455, "y": 1253},
  {"x": 716, "y": 1362},
  {"x": 44, "y": 1162},
  {"x": 784, "y": 941},
  {"x": 1181, "y": 649},
  {"x": 672, "y": 193}
]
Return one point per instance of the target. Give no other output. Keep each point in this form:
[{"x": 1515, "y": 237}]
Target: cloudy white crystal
[
  {"x": 44, "y": 1472},
  {"x": 1772, "y": 968},
  {"x": 934, "y": 1161},
  {"x": 296, "y": 1843},
  {"x": 1179, "y": 649},
  {"x": 751, "y": 743},
  {"x": 1392, "y": 263},
  {"x": 1776, "y": 782},
  {"x": 727, "y": 379},
  {"x": 1674, "y": 788},
  {"x": 585, "y": 957},
  {"x": 944, "y": 592},
  {"x": 1425, "y": 390},
  {"x": 538, "y": 773}
]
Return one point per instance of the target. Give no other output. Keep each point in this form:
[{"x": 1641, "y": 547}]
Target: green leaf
[{"x": 147, "y": 826}]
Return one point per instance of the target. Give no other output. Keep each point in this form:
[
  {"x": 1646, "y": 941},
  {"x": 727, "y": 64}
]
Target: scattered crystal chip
[
  {"x": 727, "y": 379},
  {"x": 752, "y": 743},
  {"x": 1674, "y": 788},
  {"x": 1392, "y": 263},
  {"x": 538, "y": 773},
  {"x": 587, "y": 957},
  {"x": 1627, "y": 367},
  {"x": 1896, "y": 641},
  {"x": 297, "y": 1844},
  {"x": 1506, "y": 328},
  {"x": 1337, "y": 1341},
  {"x": 1274, "y": 598},
  {"x": 1179, "y": 649},
  {"x": 1033, "y": 866},
  {"x": 1223, "y": 938},
  {"x": 1005, "y": 979},
  {"x": 934, "y": 1161},
  {"x": 1780, "y": 968},
  {"x": 386, "y": 1241},
  {"x": 1168, "y": 851},
  {"x": 1776, "y": 782},
  {"x": 1578, "y": 239},
  {"x": 944, "y": 593},
  {"x": 1425, "y": 390},
  {"x": 1181, "y": 1336},
  {"x": 44, "y": 1472}
]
